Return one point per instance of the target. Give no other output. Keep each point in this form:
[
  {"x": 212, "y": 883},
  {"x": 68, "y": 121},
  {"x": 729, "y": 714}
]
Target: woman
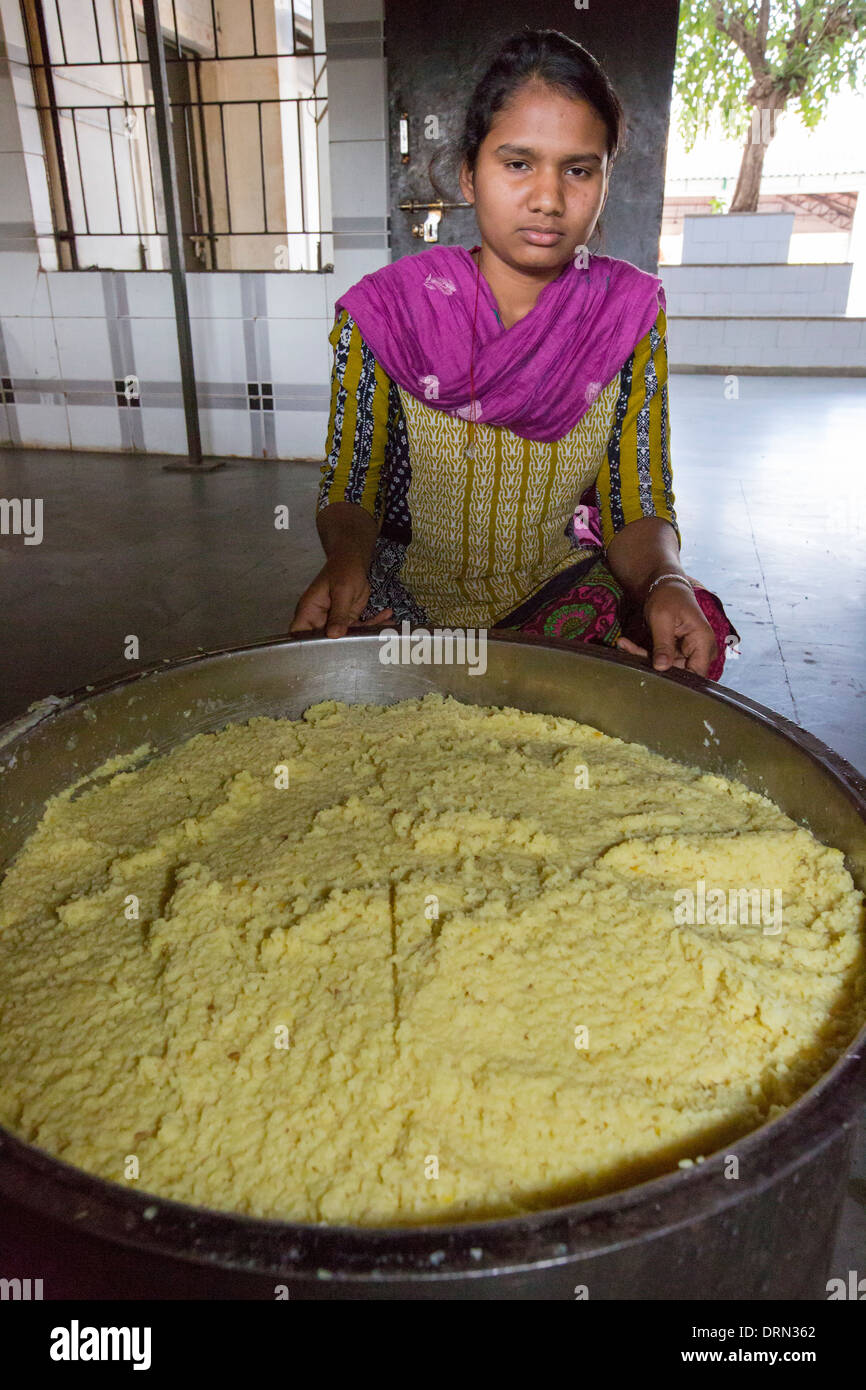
[{"x": 489, "y": 407}]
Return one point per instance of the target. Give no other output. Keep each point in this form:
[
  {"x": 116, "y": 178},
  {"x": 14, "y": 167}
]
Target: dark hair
[{"x": 549, "y": 57}]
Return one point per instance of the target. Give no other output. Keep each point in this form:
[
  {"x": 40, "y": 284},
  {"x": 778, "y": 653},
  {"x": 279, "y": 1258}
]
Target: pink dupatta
[{"x": 538, "y": 377}]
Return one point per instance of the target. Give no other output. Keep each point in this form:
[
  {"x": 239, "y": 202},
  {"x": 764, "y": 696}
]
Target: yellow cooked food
[{"x": 427, "y": 962}]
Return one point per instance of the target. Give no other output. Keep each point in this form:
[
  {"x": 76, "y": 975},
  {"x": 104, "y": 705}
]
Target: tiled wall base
[
  {"x": 295, "y": 434},
  {"x": 89, "y": 359}
]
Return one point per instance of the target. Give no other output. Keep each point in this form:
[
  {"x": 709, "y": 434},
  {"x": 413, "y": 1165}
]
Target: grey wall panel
[{"x": 431, "y": 51}]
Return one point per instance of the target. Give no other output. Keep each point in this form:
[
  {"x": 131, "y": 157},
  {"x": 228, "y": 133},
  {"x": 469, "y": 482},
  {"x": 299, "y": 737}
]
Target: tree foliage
[{"x": 733, "y": 58}]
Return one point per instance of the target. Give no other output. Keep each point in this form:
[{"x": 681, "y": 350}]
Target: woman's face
[{"x": 543, "y": 163}]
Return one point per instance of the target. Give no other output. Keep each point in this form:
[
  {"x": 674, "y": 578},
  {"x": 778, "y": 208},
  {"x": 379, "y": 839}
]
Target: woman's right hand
[{"x": 336, "y": 599}]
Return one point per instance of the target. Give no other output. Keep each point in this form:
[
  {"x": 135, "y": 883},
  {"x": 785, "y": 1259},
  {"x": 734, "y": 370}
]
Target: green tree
[{"x": 748, "y": 63}]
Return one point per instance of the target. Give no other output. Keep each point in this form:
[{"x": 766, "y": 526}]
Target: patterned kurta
[{"x": 462, "y": 542}]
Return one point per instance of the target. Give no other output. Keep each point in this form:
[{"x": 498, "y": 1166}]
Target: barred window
[{"x": 248, "y": 92}]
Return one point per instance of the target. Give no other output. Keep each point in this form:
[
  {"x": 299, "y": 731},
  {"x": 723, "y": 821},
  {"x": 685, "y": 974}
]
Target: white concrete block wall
[
  {"x": 773, "y": 290},
  {"x": 736, "y": 301},
  {"x": 722, "y": 253},
  {"x": 767, "y": 343},
  {"x": 737, "y": 239}
]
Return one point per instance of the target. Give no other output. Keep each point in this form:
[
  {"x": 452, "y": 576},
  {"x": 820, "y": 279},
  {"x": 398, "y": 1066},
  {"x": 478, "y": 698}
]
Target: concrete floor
[{"x": 770, "y": 503}]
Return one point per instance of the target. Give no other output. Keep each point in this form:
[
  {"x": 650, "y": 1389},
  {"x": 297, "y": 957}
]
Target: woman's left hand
[{"x": 681, "y": 635}]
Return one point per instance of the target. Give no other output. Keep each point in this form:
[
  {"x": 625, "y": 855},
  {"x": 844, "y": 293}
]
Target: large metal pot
[{"x": 691, "y": 1234}]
